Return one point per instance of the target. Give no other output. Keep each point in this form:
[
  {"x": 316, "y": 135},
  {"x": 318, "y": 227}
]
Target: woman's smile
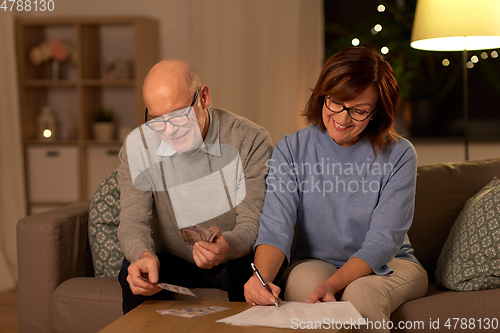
[{"x": 339, "y": 127}]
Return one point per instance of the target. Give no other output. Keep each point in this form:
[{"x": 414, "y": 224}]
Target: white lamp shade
[{"x": 456, "y": 25}]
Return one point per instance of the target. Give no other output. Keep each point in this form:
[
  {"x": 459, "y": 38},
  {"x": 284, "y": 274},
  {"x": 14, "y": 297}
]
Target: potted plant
[{"x": 103, "y": 125}]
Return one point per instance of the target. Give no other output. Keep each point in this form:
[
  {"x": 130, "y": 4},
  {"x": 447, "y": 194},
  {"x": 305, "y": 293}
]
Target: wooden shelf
[
  {"x": 103, "y": 143},
  {"x": 52, "y": 143},
  {"x": 107, "y": 83},
  {"x": 84, "y": 87},
  {"x": 50, "y": 83}
]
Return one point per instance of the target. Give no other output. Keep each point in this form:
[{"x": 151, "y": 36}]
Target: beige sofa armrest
[{"x": 51, "y": 247}]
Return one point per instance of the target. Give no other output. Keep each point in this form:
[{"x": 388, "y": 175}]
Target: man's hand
[
  {"x": 256, "y": 293},
  {"x": 324, "y": 292},
  {"x": 148, "y": 267},
  {"x": 207, "y": 255}
]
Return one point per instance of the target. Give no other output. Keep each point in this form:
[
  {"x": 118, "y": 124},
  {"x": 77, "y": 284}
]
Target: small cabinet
[
  {"x": 102, "y": 161},
  {"x": 53, "y": 174}
]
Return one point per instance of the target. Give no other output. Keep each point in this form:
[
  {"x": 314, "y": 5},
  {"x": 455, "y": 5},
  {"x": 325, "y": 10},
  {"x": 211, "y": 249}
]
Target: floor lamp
[{"x": 457, "y": 25}]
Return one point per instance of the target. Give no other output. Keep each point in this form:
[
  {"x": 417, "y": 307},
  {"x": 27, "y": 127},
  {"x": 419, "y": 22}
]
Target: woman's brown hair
[{"x": 346, "y": 75}]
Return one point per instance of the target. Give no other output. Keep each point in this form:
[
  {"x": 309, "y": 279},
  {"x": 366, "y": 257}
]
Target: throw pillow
[
  {"x": 470, "y": 258},
  {"x": 104, "y": 217}
]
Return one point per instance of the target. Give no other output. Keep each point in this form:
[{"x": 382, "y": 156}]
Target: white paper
[{"x": 295, "y": 314}]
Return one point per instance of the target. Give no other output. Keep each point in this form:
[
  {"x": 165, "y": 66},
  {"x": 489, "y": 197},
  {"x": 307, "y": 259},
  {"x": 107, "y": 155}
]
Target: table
[{"x": 144, "y": 318}]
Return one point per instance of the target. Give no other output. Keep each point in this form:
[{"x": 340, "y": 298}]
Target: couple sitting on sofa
[{"x": 341, "y": 190}]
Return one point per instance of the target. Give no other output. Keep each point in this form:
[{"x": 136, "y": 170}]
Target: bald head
[{"x": 170, "y": 80}]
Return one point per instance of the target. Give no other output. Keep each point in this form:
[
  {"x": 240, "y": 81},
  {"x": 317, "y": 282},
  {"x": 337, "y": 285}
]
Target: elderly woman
[{"x": 340, "y": 197}]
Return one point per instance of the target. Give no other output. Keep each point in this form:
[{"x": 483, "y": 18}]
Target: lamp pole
[{"x": 466, "y": 102}]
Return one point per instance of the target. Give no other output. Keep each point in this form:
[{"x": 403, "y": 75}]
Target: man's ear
[{"x": 205, "y": 96}]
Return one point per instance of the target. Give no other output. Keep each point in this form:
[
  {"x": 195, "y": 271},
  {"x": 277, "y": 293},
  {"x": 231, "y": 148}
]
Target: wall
[{"x": 429, "y": 152}]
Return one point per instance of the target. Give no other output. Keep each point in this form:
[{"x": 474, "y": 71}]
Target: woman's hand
[
  {"x": 353, "y": 269},
  {"x": 324, "y": 292},
  {"x": 257, "y": 294}
]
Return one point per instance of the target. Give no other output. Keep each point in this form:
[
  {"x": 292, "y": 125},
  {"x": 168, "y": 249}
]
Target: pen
[{"x": 256, "y": 271}]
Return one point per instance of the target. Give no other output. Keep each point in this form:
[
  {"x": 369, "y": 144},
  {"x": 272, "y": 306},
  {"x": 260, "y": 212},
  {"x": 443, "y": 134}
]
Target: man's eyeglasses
[
  {"x": 355, "y": 114},
  {"x": 179, "y": 120}
]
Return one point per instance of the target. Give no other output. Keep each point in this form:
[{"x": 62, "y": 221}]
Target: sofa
[{"x": 59, "y": 293}]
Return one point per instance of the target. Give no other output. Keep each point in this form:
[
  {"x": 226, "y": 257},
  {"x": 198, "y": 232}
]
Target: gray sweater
[{"x": 147, "y": 218}]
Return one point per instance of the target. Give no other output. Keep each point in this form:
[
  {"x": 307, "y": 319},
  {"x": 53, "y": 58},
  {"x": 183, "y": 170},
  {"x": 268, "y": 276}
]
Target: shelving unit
[{"x": 52, "y": 166}]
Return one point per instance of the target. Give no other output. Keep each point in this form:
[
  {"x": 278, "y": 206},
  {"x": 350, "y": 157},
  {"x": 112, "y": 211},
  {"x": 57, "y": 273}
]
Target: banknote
[
  {"x": 192, "y": 312},
  {"x": 196, "y": 233},
  {"x": 172, "y": 288}
]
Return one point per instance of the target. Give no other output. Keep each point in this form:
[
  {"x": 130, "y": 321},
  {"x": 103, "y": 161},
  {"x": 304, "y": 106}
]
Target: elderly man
[{"x": 188, "y": 165}]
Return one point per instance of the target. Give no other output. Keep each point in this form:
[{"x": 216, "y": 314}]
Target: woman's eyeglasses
[{"x": 355, "y": 114}]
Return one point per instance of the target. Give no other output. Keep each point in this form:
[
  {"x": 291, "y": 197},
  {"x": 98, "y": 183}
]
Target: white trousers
[{"x": 374, "y": 296}]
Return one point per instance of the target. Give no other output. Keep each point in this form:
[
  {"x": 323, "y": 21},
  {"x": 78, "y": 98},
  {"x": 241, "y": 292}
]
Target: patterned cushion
[
  {"x": 470, "y": 258},
  {"x": 104, "y": 217}
]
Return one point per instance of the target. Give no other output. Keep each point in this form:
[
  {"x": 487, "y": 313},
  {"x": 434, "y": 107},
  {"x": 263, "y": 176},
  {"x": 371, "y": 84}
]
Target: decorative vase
[{"x": 103, "y": 131}]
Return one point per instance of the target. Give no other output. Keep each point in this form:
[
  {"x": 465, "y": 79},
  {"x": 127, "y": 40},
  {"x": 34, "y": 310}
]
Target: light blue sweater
[{"x": 343, "y": 201}]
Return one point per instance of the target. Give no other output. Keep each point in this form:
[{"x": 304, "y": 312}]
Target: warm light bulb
[
  {"x": 381, "y": 8},
  {"x": 484, "y": 55},
  {"x": 474, "y": 59},
  {"x": 457, "y": 43},
  {"x": 47, "y": 133},
  {"x": 494, "y": 54},
  {"x": 377, "y": 28},
  {"x": 470, "y": 65},
  {"x": 384, "y": 50},
  {"x": 355, "y": 42},
  {"x": 446, "y": 62}
]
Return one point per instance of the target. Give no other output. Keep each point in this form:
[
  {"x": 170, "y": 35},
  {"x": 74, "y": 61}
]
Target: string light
[
  {"x": 384, "y": 50},
  {"x": 377, "y": 28},
  {"x": 484, "y": 55},
  {"x": 355, "y": 42},
  {"x": 474, "y": 59},
  {"x": 47, "y": 133},
  {"x": 381, "y": 8},
  {"x": 494, "y": 54},
  {"x": 470, "y": 64},
  {"x": 445, "y": 62}
]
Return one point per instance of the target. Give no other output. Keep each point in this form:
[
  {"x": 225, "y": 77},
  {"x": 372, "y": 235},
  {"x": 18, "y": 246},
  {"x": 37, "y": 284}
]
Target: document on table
[{"x": 298, "y": 315}]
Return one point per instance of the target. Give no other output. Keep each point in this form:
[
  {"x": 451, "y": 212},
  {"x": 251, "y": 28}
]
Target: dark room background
[{"x": 431, "y": 82}]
